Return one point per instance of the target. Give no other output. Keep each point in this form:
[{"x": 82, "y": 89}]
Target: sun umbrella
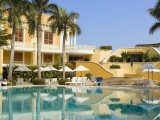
[
  {"x": 81, "y": 68},
  {"x": 50, "y": 68},
  {"x": 152, "y": 71},
  {"x": 67, "y": 69},
  {"x": 148, "y": 66},
  {"x": 42, "y": 69},
  {"x": 80, "y": 99},
  {"x": 22, "y": 68},
  {"x": 66, "y": 96}
]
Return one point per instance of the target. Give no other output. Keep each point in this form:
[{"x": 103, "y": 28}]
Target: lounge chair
[
  {"x": 54, "y": 81},
  {"x": 157, "y": 117},
  {"x": 73, "y": 81},
  {"x": 79, "y": 81},
  {"x": 47, "y": 81},
  {"x": 152, "y": 102}
]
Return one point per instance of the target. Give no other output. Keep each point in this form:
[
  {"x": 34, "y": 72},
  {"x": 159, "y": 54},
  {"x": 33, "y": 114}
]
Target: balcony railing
[{"x": 80, "y": 47}]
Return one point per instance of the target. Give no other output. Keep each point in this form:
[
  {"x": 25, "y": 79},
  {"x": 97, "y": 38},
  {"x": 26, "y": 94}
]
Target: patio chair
[
  {"x": 54, "y": 81},
  {"x": 47, "y": 81},
  {"x": 73, "y": 81},
  {"x": 79, "y": 81}
]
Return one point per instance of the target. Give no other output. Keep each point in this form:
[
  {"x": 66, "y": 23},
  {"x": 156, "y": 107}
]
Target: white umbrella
[
  {"x": 22, "y": 69},
  {"x": 49, "y": 98},
  {"x": 42, "y": 69},
  {"x": 66, "y": 96},
  {"x": 51, "y": 68},
  {"x": 148, "y": 66},
  {"x": 151, "y": 70},
  {"x": 81, "y": 68},
  {"x": 80, "y": 99},
  {"x": 67, "y": 69}
]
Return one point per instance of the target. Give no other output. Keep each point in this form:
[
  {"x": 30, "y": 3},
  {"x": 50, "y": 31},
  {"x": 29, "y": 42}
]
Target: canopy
[
  {"x": 66, "y": 96},
  {"x": 51, "y": 68},
  {"x": 80, "y": 99},
  {"x": 151, "y": 70},
  {"x": 67, "y": 69},
  {"x": 81, "y": 68},
  {"x": 42, "y": 69},
  {"x": 22, "y": 68},
  {"x": 148, "y": 66}
]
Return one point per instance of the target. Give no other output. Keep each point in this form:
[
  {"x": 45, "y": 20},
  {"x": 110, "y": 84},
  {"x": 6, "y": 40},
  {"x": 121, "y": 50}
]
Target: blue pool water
[{"x": 78, "y": 103}]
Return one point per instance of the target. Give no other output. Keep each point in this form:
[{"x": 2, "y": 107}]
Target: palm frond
[{"x": 154, "y": 27}]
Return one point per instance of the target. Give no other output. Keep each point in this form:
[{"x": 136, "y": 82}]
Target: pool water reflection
[{"x": 78, "y": 103}]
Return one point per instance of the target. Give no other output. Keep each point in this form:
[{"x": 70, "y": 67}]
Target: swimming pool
[{"x": 78, "y": 103}]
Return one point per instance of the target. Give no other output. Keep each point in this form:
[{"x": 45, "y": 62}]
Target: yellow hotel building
[
  {"x": 95, "y": 59},
  {"x": 51, "y": 47}
]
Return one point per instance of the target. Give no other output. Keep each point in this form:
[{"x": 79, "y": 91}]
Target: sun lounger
[
  {"x": 157, "y": 117},
  {"x": 73, "y": 81},
  {"x": 54, "y": 81}
]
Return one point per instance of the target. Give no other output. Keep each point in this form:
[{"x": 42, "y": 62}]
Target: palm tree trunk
[
  {"x": 63, "y": 53},
  {"x": 39, "y": 51},
  {"x": 12, "y": 52}
]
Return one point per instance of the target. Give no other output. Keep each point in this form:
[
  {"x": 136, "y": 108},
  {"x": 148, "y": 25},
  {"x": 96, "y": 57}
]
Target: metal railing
[{"x": 80, "y": 47}]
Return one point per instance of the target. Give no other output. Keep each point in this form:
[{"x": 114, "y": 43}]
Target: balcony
[
  {"x": 22, "y": 46},
  {"x": 46, "y": 48},
  {"x": 80, "y": 49}
]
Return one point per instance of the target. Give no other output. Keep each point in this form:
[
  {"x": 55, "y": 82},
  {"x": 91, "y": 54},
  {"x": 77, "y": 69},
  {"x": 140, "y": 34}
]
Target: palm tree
[
  {"x": 4, "y": 36},
  {"x": 61, "y": 22},
  {"x": 14, "y": 9},
  {"x": 155, "y": 12},
  {"x": 34, "y": 17}
]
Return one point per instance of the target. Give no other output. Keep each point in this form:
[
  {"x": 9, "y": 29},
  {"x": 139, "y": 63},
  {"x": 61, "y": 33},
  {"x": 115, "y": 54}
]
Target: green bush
[
  {"x": 106, "y": 47},
  {"x": 38, "y": 82},
  {"x": 62, "y": 82},
  {"x": 155, "y": 59},
  {"x": 114, "y": 58},
  {"x": 14, "y": 82},
  {"x": 88, "y": 75},
  {"x": 115, "y": 67}
]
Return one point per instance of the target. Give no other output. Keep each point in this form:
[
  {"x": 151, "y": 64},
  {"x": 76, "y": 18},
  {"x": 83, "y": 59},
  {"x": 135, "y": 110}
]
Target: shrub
[
  {"x": 62, "y": 82},
  {"x": 155, "y": 58},
  {"x": 88, "y": 75},
  {"x": 14, "y": 82},
  {"x": 125, "y": 56},
  {"x": 115, "y": 67},
  {"x": 106, "y": 47},
  {"x": 114, "y": 58},
  {"x": 38, "y": 82}
]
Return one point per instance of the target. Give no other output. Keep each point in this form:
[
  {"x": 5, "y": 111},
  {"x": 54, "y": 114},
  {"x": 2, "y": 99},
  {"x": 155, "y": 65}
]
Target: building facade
[{"x": 51, "y": 47}]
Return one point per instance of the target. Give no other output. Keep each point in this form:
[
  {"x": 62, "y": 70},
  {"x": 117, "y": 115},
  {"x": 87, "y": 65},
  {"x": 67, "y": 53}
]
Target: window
[
  {"x": 47, "y": 58},
  {"x": 18, "y": 56},
  {"x": 19, "y": 35},
  {"x": 48, "y": 38}
]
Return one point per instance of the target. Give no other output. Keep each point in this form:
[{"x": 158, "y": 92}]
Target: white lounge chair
[
  {"x": 54, "y": 81},
  {"x": 79, "y": 81},
  {"x": 157, "y": 117},
  {"x": 153, "y": 102},
  {"x": 73, "y": 81}
]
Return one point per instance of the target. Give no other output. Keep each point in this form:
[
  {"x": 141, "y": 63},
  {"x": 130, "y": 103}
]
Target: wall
[
  {"x": 95, "y": 69},
  {"x": 126, "y": 69},
  {"x": 99, "y": 55}
]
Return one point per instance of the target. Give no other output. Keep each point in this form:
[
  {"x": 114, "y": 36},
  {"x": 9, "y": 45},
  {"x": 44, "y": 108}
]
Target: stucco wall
[
  {"x": 99, "y": 55},
  {"x": 95, "y": 69}
]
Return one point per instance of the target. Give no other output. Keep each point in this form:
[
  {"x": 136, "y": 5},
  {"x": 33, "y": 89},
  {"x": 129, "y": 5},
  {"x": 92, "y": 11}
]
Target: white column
[
  {"x": 61, "y": 40},
  {"x": 42, "y": 58},
  {"x": 24, "y": 38},
  {"x": 23, "y": 61},
  {"x": 42, "y": 38},
  {"x": 1, "y": 61},
  {"x": 75, "y": 41}
]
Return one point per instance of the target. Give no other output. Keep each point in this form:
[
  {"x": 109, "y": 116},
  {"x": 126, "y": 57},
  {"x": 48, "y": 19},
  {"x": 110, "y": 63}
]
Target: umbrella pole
[{"x": 148, "y": 74}]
